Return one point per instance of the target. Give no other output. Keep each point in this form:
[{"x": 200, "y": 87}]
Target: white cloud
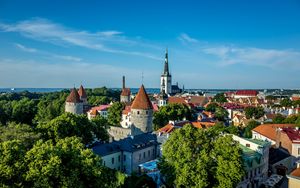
[
  {"x": 186, "y": 38},
  {"x": 26, "y": 49},
  {"x": 106, "y": 41},
  {"x": 273, "y": 58},
  {"x": 47, "y": 54}
]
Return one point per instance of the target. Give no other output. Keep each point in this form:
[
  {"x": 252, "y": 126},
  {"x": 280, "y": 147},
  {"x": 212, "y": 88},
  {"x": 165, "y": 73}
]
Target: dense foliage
[
  {"x": 68, "y": 125},
  {"x": 115, "y": 113},
  {"x": 220, "y": 113},
  {"x": 201, "y": 158},
  {"x": 41, "y": 146},
  {"x": 248, "y": 129},
  {"x": 220, "y": 98},
  {"x": 172, "y": 112},
  {"x": 254, "y": 112}
]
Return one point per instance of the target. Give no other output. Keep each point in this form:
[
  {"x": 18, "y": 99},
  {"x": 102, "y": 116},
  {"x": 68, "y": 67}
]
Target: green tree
[
  {"x": 221, "y": 114},
  {"x": 99, "y": 127},
  {"x": 286, "y": 102},
  {"x": 220, "y": 98},
  {"x": 201, "y": 158},
  {"x": 21, "y": 132},
  {"x": 48, "y": 109},
  {"x": 115, "y": 113},
  {"x": 211, "y": 107},
  {"x": 5, "y": 112},
  {"x": 254, "y": 112},
  {"x": 12, "y": 165},
  {"x": 169, "y": 112},
  {"x": 23, "y": 111},
  {"x": 66, "y": 164},
  {"x": 248, "y": 129},
  {"x": 68, "y": 125},
  {"x": 279, "y": 118}
]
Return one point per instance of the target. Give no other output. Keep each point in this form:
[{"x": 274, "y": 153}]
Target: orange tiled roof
[
  {"x": 126, "y": 110},
  {"x": 203, "y": 125},
  {"x": 93, "y": 112},
  {"x": 178, "y": 100},
  {"x": 142, "y": 100},
  {"x": 82, "y": 92},
  {"x": 73, "y": 97},
  {"x": 296, "y": 172},
  {"x": 269, "y": 130},
  {"x": 125, "y": 92}
]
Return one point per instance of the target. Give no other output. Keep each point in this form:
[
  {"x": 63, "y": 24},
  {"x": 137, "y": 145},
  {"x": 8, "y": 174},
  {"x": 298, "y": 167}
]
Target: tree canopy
[
  {"x": 201, "y": 158},
  {"x": 254, "y": 112},
  {"x": 220, "y": 98},
  {"x": 115, "y": 113},
  {"x": 68, "y": 125},
  {"x": 169, "y": 112}
]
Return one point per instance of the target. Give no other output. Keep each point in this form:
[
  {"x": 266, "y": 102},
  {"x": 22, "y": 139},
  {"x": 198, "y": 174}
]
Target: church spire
[{"x": 166, "y": 68}]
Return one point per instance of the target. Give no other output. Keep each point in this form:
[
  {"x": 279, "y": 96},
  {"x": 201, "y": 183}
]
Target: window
[
  {"x": 248, "y": 145},
  {"x": 124, "y": 158},
  {"x": 112, "y": 160},
  {"x": 119, "y": 158}
]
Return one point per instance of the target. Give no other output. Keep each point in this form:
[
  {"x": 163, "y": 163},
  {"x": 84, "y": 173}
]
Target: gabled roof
[
  {"x": 269, "y": 130},
  {"x": 73, "y": 97},
  {"x": 125, "y": 92},
  {"x": 82, "y": 92},
  {"x": 142, "y": 100},
  {"x": 198, "y": 100},
  {"x": 178, "y": 100}
]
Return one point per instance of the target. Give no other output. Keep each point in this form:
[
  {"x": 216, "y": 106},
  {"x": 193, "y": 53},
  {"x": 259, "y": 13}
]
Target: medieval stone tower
[
  {"x": 141, "y": 113},
  {"x": 73, "y": 103},
  {"x": 125, "y": 94},
  {"x": 82, "y": 95},
  {"x": 166, "y": 77}
]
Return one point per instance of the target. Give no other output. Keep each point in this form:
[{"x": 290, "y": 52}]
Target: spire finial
[{"x": 142, "y": 77}]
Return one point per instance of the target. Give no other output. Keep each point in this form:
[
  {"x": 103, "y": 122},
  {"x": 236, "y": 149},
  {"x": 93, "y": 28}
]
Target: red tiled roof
[
  {"x": 125, "y": 92},
  {"x": 269, "y": 130},
  {"x": 198, "y": 100},
  {"x": 101, "y": 107},
  {"x": 246, "y": 92},
  {"x": 293, "y": 134},
  {"x": 142, "y": 100},
  {"x": 73, "y": 97},
  {"x": 295, "y": 98},
  {"x": 81, "y": 92}
]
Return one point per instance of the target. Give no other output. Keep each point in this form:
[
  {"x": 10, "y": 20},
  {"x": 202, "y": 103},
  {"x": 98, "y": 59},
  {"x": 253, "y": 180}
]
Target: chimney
[{"x": 123, "y": 82}]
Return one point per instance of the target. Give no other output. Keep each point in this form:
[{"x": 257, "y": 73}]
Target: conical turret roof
[
  {"x": 142, "y": 100},
  {"x": 74, "y": 96},
  {"x": 81, "y": 92}
]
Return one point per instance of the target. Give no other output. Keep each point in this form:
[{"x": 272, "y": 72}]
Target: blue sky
[{"x": 212, "y": 44}]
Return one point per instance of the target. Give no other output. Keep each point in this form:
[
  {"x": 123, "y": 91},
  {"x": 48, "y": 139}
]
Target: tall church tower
[{"x": 166, "y": 78}]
